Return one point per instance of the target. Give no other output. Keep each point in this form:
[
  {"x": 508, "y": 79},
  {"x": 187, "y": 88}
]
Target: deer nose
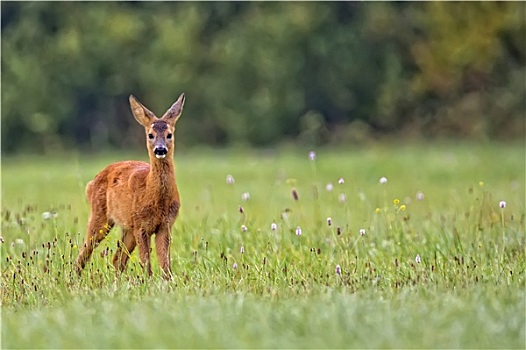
[{"x": 160, "y": 151}]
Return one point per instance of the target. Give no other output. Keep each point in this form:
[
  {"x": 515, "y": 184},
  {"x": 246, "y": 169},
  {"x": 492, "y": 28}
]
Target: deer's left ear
[{"x": 174, "y": 112}]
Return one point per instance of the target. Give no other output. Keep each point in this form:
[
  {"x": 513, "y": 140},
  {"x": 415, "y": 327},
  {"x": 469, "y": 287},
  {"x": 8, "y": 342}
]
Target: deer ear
[
  {"x": 174, "y": 112},
  {"x": 142, "y": 114}
]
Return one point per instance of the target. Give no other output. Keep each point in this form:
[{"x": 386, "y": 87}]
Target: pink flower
[{"x": 298, "y": 231}]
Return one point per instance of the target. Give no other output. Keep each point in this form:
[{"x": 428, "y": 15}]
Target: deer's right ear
[{"x": 142, "y": 114}]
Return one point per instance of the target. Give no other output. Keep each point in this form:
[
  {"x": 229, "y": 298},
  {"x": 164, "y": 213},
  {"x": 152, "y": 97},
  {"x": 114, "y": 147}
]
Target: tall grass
[{"x": 287, "y": 251}]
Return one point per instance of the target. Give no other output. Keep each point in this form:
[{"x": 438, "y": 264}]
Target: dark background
[{"x": 261, "y": 73}]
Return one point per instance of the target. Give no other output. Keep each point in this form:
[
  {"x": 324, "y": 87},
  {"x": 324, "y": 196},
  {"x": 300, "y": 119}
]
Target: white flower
[
  {"x": 341, "y": 181},
  {"x": 329, "y": 187},
  {"x": 49, "y": 214},
  {"x": 420, "y": 195},
  {"x": 230, "y": 180},
  {"x": 273, "y": 226},
  {"x": 234, "y": 266},
  {"x": 338, "y": 270},
  {"x": 342, "y": 197},
  {"x": 502, "y": 204},
  {"x": 417, "y": 258},
  {"x": 242, "y": 250},
  {"x": 362, "y": 231},
  {"x": 245, "y": 196},
  {"x": 19, "y": 241},
  {"x": 312, "y": 155},
  {"x": 329, "y": 221},
  {"x": 383, "y": 180},
  {"x": 298, "y": 231},
  {"x": 244, "y": 228}
]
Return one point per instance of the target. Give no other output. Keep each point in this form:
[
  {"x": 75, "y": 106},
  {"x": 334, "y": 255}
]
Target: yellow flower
[
  {"x": 377, "y": 210},
  {"x": 75, "y": 246},
  {"x": 396, "y": 201},
  {"x": 402, "y": 207},
  {"x": 481, "y": 183}
]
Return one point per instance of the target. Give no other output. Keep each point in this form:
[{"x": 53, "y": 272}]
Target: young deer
[{"x": 139, "y": 197}]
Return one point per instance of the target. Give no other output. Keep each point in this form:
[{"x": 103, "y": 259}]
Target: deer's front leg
[
  {"x": 162, "y": 245},
  {"x": 143, "y": 244}
]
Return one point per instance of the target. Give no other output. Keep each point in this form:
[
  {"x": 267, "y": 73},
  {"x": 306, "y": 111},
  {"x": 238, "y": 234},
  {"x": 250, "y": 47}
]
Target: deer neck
[{"x": 161, "y": 178}]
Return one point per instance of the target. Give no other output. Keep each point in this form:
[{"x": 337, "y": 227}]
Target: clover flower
[
  {"x": 242, "y": 250},
  {"x": 312, "y": 155},
  {"x": 244, "y": 228},
  {"x": 383, "y": 180},
  {"x": 341, "y": 181},
  {"x": 329, "y": 221},
  {"x": 245, "y": 196},
  {"x": 417, "y": 259},
  {"x": 298, "y": 231},
  {"x": 230, "y": 180},
  {"x": 234, "y": 266},
  {"x": 273, "y": 226},
  {"x": 420, "y": 195},
  {"x": 362, "y": 232},
  {"x": 502, "y": 204},
  {"x": 329, "y": 187},
  {"x": 338, "y": 270}
]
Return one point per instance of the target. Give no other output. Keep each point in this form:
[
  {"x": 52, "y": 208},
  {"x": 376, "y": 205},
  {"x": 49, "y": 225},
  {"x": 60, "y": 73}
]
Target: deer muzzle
[{"x": 160, "y": 152}]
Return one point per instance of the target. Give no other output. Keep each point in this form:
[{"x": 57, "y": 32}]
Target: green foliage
[
  {"x": 467, "y": 289},
  {"x": 259, "y": 73}
]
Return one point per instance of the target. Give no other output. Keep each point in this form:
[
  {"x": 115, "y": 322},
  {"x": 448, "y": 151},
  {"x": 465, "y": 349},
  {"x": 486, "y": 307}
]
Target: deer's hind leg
[
  {"x": 99, "y": 225},
  {"x": 125, "y": 247}
]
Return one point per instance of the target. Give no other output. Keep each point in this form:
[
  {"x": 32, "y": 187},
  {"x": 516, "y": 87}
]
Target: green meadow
[{"x": 373, "y": 246}]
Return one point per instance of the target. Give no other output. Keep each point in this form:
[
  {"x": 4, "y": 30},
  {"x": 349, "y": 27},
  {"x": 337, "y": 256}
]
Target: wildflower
[
  {"x": 362, "y": 231},
  {"x": 295, "y": 195},
  {"x": 377, "y": 210},
  {"x": 273, "y": 226},
  {"x": 245, "y": 196},
  {"x": 298, "y": 231},
  {"x": 396, "y": 201},
  {"x": 19, "y": 241},
  {"x": 502, "y": 204},
  {"x": 230, "y": 180},
  {"x": 383, "y": 180},
  {"x": 341, "y": 181},
  {"x": 402, "y": 207},
  {"x": 312, "y": 155},
  {"x": 417, "y": 258},
  {"x": 329, "y": 187},
  {"x": 49, "y": 214},
  {"x": 75, "y": 246},
  {"x": 342, "y": 197},
  {"x": 329, "y": 221},
  {"x": 242, "y": 250},
  {"x": 420, "y": 195},
  {"x": 244, "y": 228},
  {"x": 234, "y": 266},
  {"x": 481, "y": 183},
  {"x": 338, "y": 270}
]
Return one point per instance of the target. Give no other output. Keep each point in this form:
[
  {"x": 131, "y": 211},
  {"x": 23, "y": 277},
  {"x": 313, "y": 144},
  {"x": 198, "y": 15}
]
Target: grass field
[{"x": 428, "y": 259}]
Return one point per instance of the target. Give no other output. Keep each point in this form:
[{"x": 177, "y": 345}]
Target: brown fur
[{"x": 139, "y": 197}]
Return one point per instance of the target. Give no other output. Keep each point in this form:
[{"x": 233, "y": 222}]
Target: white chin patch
[{"x": 160, "y": 156}]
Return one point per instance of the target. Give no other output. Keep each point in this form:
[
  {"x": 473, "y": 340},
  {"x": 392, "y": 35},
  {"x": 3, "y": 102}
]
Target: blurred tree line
[{"x": 260, "y": 73}]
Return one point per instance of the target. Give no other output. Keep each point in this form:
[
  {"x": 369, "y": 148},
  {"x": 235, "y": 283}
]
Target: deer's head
[{"x": 159, "y": 131}]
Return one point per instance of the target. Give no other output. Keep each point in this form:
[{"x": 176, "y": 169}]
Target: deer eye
[
  {"x": 169, "y": 136},
  {"x": 150, "y": 136}
]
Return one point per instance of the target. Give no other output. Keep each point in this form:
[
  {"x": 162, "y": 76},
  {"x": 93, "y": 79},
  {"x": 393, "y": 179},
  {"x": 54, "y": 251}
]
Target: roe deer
[{"x": 139, "y": 197}]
